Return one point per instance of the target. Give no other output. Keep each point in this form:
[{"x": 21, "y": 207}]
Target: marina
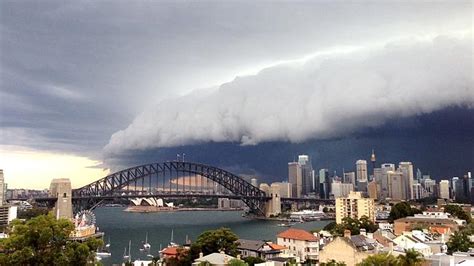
[{"x": 167, "y": 228}]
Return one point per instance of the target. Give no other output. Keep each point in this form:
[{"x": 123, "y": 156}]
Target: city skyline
[{"x": 89, "y": 89}]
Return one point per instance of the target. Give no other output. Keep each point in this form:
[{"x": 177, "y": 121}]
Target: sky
[{"x": 88, "y": 86}]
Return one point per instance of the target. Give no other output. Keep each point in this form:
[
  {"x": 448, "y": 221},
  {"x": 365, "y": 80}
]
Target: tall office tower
[
  {"x": 295, "y": 178},
  {"x": 285, "y": 189},
  {"x": 407, "y": 169},
  {"x": 419, "y": 175},
  {"x": 339, "y": 189},
  {"x": 324, "y": 183},
  {"x": 361, "y": 170},
  {"x": 429, "y": 185},
  {"x": 453, "y": 185},
  {"x": 2, "y": 185},
  {"x": 254, "y": 182},
  {"x": 372, "y": 189},
  {"x": 386, "y": 167},
  {"x": 396, "y": 187},
  {"x": 444, "y": 189},
  {"x": 306, "y": 174},
  {"x": 354, "y": 206},
  {"x": 350, "y": 178},
  {"x": 373, "y": 160},
  {"x": 378, "y": 181},
  {"x": 418, "y": 191}
]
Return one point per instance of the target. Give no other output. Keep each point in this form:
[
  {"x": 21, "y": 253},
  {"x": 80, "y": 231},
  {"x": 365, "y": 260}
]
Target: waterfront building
[
  {"x": 339, "y": 189},
  {"x": 295, "y": 178},
  {"x": 444, "y": 189},
  {"x": 300, "y": 244},
  {"x": 354, "y": 206},
  {"x": 258, "y": 248},
  {"x": 406, "y": 168},
  {"x": 361, "y": 170}
]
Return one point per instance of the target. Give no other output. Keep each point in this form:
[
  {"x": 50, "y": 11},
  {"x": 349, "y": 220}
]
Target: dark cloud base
[{"x": 440, "y": 144}]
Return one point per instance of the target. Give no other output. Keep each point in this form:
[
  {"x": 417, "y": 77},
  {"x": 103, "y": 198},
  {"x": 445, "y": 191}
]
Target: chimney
[
  {"x": 363, "y": 232},
  {"x": 201, "y": 254},
  {"x": 238, "y": 257},
  {"x": 347, "y": 233}
]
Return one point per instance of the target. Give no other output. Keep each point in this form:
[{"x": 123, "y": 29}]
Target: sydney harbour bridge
[{"x": 173, "y": 179}]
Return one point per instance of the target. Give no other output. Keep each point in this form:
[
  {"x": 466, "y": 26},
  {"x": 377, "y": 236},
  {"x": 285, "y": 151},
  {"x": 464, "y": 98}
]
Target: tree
[
  {"x": 330, "y": 226},
  {"x": 253, "y": 260},
  {"x": 237, "y": 262},
  {"x": 401, "y": 210},
  {"x": 31, "y": 213},
  {"x": 368, "y": 225},
  {"x": 411, "y": 258},
  {"x": 459, "y": 241},
  {"x": 382, "y": 259},
  {"x": 43, "y": 240},
  {"x": 333, "y": 263},
  {"x": 222, "y": 239},
  {"x": 457, "y": 211}
]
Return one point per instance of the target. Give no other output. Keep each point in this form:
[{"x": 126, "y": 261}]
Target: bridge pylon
[
  {"x": 60, "y": 188},
  {"x": 273, "y": 205}
]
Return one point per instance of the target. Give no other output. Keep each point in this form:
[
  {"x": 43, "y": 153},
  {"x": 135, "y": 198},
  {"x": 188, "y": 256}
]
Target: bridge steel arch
[{"x": 114, "y": 183}]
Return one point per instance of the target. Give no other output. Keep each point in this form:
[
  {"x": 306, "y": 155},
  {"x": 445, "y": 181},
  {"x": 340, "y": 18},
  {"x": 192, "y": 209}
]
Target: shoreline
[{"x": 151, "y": 209}]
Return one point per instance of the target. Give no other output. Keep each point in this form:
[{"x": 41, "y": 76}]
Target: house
[
  {"x": 414, "y": 241},
  {"x": 349, "y": 249},
  {"x": 214, "y": 259},
  {"x": 258, "y": 248},
  {"x": 300, "y": 244},
  {"x": 429, "y": 220},
  {"x": 169, "y": 252}
]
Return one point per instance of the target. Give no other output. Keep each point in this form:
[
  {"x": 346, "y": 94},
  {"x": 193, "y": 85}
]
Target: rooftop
[{"x": 297, "y": 234}]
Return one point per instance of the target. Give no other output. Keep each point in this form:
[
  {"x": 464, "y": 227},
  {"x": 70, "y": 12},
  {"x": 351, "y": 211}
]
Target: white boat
[
  {"x": 146, "y": 245},
  {"x": 108, "y": 244},
  {"x": 172, "y": 244},
  {"x": 125, "y": 255},
  {"x": 103, "y": 254}
]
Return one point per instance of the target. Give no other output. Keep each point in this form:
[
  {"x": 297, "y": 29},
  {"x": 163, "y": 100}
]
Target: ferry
[{"x": 307, "y": 215}]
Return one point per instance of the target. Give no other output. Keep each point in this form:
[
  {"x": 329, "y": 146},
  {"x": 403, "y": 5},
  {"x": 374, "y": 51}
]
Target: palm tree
[{"x": 411, "y": 257}]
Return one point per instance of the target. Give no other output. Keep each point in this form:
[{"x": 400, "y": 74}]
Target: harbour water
[{"x": 122, "y": 226}]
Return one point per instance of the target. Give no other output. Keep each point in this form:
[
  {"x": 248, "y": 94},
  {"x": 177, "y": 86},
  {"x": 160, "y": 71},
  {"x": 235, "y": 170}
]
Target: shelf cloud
[{"x": 331, "y": 94}]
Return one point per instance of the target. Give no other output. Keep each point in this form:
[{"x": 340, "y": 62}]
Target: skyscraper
[
  {"x": 384, "y": 184},
  {"x": 373, "y": 160},
  {"x": 2, "y": 190},
  {"x": 324, "y": 183},
  {"x": 295, "y": 178},
  {"x": 396, "y": 185},
  {"x": 407, "y": 170},
  {"x": 444, "y": 189},
  {"x": 361, "y": 170},
  {"x": 307, "y": 174}
]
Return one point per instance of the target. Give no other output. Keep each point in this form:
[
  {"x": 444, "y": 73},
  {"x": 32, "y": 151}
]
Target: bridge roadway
[{"x": 52, "y": 200}]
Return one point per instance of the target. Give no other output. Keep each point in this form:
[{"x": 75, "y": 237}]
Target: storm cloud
[{"x": 334, "y": 93}]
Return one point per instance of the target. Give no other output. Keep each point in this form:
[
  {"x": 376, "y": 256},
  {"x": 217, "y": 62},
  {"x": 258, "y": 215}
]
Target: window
[{"x": 64, "y": 195}]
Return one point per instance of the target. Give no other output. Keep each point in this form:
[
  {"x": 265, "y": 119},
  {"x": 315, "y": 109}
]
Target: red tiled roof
[
  {"x": 297, "y": 234},
  {"x": 276, "y": 246},
  {"x": 170, "y": 251}
]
